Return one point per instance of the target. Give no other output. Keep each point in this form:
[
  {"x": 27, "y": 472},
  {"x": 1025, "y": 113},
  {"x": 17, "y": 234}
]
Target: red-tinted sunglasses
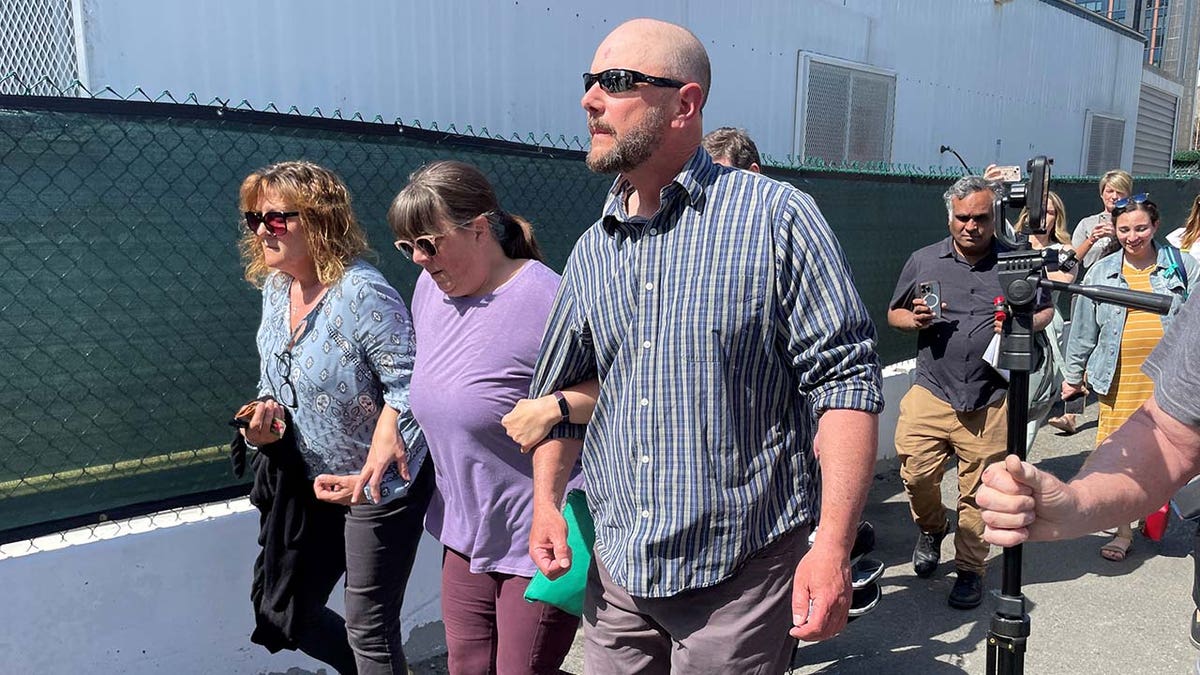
[{"x": 275, "y": 221}]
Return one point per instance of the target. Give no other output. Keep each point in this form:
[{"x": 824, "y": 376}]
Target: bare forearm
[
  {"x": 581, "y": 399},
  {"x": 553, "y": 461},
  {"x": 902, "y": 319},
  {"x": 1083, "y": 248},
  {"x": 386, "y": 428},
  {"x": 1042, "y": 318},
  {"x": 1135, "y": 470},
  {"x": 846, "y": 445}
]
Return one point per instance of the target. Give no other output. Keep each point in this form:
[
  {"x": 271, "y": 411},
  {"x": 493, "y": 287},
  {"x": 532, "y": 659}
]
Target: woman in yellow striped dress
[{"x": 1108, "y": 342}]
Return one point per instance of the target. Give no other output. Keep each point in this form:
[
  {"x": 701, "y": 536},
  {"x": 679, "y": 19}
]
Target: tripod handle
[{"x": 1149, "y": 302}]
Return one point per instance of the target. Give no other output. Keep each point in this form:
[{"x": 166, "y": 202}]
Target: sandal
[
  {"x": 1064, "y": 423},
  {"x": 1117, "y": 549}
]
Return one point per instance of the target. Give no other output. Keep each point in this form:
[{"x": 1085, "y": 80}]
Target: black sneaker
[
  {"x": 967, "y": 592},
  {"x": 928, "y": 552}
]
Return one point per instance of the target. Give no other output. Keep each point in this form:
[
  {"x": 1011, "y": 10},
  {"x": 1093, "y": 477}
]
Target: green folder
[{"x": 566, "y": 592}]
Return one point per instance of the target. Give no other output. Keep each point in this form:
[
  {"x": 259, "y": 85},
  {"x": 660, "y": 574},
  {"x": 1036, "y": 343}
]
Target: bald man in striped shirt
[{"x": 717, "y": 310}]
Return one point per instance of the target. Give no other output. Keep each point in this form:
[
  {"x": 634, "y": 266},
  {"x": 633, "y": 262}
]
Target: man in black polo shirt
[{"x": 957, "y": 404}]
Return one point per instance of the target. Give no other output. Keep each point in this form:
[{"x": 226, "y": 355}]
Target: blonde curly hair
[{"x": 333, "y": 234}]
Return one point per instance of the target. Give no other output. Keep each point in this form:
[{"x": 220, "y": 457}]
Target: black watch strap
[{"x": 562, "y": 405}]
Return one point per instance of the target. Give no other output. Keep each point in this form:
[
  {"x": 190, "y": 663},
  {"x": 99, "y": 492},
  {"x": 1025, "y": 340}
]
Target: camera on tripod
[
  {"x": 1016, "y": 193},
  {"x": 1022, "y": 273}
]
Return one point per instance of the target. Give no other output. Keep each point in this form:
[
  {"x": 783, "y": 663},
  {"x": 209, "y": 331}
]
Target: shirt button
[
  {"x": 653, "y": 231},
  {"x": 645, "y": 459},
  {"x": 645, "y": 513},
  {"x": 646, "y": 344},
  {"x": 649, "y": 286},
  {"x": 645, "y": 401}
]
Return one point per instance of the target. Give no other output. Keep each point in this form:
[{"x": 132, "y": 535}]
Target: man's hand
[
  {"x": 821, "y": 595},
  {"x": 1020, "y": 503},
  {"x": 922, "y": 314},
  {"x": 548, "y": 542}
]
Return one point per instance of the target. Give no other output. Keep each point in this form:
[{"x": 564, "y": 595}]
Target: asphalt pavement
[{"x": 1088, "y": 614}]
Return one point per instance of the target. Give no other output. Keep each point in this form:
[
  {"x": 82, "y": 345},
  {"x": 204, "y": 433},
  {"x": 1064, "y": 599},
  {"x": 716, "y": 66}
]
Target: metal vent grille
[
  {"x": 849, "y": 114},
  {"x": 1105, "y": 137},
  {"x": 37, "y": 46},
  {"x": 1155, "y": 135}
]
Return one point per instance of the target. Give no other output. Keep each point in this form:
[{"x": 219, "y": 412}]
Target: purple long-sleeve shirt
[{"x": 475, "y": 358}]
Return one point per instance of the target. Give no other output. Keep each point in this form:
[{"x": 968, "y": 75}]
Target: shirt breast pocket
[{"x": 722, "y": 315}]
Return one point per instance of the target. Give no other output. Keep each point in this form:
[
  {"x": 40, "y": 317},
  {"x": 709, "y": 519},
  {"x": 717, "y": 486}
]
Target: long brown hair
[
  {"x": 1057, "y": 229},
  {"x": 456, "y": 191},
  {"x": 333, "y": 234}
]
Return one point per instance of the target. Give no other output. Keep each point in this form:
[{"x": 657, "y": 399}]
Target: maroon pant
[{"x": 491, "y": 628}]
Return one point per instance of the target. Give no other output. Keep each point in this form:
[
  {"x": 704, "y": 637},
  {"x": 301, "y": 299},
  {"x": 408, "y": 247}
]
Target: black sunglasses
[
  {"x": 275, "y": 221},
  {"x": 617, "y": 80}
]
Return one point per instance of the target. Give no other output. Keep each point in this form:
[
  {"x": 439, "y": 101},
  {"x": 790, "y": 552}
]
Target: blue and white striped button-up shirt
[{"x": 720, "y": 329}]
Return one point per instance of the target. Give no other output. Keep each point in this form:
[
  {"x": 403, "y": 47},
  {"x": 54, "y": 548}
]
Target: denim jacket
[{"x": 1096, "y": 328}]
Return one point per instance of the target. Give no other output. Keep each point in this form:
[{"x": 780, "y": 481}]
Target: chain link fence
[{"x": 127, "y": 331}]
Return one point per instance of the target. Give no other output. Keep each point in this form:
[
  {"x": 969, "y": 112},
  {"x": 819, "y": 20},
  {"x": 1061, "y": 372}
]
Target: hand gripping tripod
[{"x": 1022, "y": 273}]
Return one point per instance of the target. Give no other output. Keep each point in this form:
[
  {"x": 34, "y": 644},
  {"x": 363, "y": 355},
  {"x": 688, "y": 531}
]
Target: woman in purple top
[{"x": 479, "y": 311}]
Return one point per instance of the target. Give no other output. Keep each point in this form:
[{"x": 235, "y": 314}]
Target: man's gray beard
[{"x": 631, "y": 150}]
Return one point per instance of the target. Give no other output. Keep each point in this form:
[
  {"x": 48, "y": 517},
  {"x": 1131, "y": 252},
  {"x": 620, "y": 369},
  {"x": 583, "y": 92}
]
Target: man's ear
[
  {"x": 755, "y": 167},
  {"x": 691, "y": 100}
]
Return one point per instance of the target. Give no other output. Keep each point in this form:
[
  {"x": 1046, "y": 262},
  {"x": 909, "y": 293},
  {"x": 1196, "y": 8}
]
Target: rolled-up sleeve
[
  {"x": 829, "y": 336},
  {"x": 567, "y": 356}
]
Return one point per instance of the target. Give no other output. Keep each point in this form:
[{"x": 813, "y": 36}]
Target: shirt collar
[
  {"x": 947, "y": 251},
  {"x": 1163, "y": 264},
  {"x": 690, "y": 184}
]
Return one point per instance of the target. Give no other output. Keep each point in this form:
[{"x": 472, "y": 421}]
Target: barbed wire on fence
[
  {"x": 75, "y": 88},
  {"x": 126, "y": 330}
]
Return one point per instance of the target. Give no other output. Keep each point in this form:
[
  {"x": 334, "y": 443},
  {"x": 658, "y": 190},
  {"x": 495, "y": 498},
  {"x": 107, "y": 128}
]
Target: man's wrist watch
[{"x": 562, "y": 406}]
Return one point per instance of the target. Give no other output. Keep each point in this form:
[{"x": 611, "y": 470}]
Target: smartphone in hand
[
  {"x": 1075, "y": 404},
  {"x": 1009, "y": 174},
  {"x": 931, "y": 293}
]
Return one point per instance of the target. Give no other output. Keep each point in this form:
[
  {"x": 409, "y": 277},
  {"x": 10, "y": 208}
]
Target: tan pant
[{"x": 928, "y": 433}]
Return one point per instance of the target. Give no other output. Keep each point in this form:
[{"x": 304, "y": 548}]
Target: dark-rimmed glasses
[
  {"x": 428, "y": 242},
  {"x": 617, "y": 80},
  {"x": 1123, "y": 202},
  {"x": 275, "y": 221},
  {"x": 283, "y": 368}
]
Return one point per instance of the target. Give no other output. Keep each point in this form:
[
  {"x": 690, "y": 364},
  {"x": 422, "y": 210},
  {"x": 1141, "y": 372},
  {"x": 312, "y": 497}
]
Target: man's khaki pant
[{"x": 928, "y": 433}]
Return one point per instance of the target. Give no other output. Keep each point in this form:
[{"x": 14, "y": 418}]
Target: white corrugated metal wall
[{"x": 998, "y": 82}]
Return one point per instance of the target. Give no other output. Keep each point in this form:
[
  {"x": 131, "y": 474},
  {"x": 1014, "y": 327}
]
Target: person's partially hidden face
[
  {"x": 1135, "y": 231},
  {"x": 1109, "y": 195},
  {"x": 289, "y": 251},
  {"x": 1051, "y": 218},
  {"x": 971, "y": 224},
  {"x": 457, "y": 267}
]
